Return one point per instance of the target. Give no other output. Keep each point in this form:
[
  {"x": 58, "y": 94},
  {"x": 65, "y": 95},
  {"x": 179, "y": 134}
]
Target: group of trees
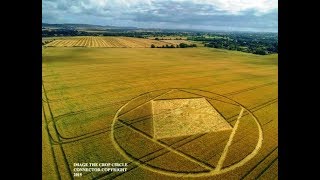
[
  {"x": 181, "y": 45},
  {"x": 251, "y": 47},
  {"x": 128, "y": 32},
  {"x": 64, "y": 32},
  {"x": 46, "y": 42},
  {"x": 159, "y": 35},
  {"x": 184, "y": 45},
  {"x": 163, "y": 46},
  {"x": 256, "y": 43},
  {"x": 158, "y": 39}
]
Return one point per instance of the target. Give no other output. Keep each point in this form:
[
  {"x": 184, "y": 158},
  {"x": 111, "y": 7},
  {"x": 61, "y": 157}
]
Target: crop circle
[{"x": 141, "y": 126}]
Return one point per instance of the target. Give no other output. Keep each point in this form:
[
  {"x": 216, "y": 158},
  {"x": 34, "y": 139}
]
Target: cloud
[
  {"x": 258, "y": 14},
  {"x": 238, "y": 6}
]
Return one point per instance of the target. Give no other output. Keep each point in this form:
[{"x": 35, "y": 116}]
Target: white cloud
[
  {"x": 121, "y": 4},
  {"x": 238, "y": 6},
  {"x": 228, "y": 6},
  {"x": 159, "y": 12},
  {"x": 225, "y": 6}
]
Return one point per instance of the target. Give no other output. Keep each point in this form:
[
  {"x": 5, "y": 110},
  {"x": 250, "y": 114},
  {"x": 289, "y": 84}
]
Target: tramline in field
[
  {"x": 109, "y": 42},
  {"x": 84, "y": 92}
]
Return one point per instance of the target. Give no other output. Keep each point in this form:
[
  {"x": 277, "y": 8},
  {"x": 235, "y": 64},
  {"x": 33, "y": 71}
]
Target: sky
[{"x": 212, "y": 15}]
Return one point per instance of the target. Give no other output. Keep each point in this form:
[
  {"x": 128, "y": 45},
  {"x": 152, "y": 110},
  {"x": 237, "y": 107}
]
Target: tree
[
  {"x": 153, "y": 46},
  {"x": 183, "y": 45},
  {"x": 260, "y": 51},
  {"x": 156, "y": 39},
  {"x": 172, "y": 46}
]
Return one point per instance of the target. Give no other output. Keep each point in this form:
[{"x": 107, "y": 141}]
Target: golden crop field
[
  {"x": 176, "y": 42},
  {"x": 98, "y": 106},
  {"x": 104, "y": 41}
]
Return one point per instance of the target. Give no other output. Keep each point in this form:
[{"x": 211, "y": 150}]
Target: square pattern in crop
[{"x": 180, "y": 117}]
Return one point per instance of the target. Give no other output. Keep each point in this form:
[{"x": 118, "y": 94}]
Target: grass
[{"x": 84, "y": 88}]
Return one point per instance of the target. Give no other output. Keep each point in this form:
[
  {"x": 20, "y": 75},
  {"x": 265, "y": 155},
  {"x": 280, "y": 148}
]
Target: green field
[{"x": 83, "y": 88}]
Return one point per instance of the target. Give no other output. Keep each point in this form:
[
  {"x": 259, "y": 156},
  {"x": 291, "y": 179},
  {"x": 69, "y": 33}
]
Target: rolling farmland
[
  {"x": 176, "y": 42},
  {"x": 83, "y": 89},
  {"x": 106, "y": 42}
]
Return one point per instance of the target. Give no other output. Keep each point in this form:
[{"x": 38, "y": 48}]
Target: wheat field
[
  {"x": 83, "y": 88},
  {"x": 105, "y": 41}
]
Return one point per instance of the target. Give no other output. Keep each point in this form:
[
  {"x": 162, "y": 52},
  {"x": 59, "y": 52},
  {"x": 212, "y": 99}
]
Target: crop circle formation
[{"x": 170, "y": 132}]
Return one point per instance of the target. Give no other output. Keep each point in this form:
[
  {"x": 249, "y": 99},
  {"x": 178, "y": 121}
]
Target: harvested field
[{"x": 105, "y": 42}]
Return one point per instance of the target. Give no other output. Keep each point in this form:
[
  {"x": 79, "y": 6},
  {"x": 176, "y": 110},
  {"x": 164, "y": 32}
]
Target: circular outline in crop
[{"x": 187, "y": 174}]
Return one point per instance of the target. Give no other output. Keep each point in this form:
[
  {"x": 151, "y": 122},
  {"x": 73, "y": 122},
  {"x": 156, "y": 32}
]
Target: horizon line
[{"x": 179, "y": 29}]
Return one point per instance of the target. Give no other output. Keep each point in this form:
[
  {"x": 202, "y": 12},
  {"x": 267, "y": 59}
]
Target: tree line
[
  {"x": 181, "y": 45},
  {"x": 65, "y": 32},
  {"x": 256, "y": 43}
]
